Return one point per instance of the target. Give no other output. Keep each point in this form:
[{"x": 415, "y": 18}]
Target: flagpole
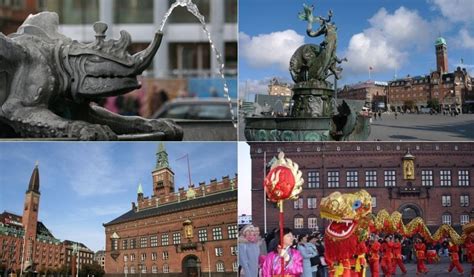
[
  {"x": 264, "y": 195},
  {"x": 189, "y": 168}
]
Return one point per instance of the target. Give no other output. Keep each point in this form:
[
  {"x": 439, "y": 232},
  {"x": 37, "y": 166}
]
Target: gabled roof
[{"x": 176, "y": 207}]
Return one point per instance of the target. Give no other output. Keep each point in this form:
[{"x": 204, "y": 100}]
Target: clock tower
[{"x": 163, "y": 176}]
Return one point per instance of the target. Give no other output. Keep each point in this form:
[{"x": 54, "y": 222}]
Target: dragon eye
[{"x": 357, "y": 204}]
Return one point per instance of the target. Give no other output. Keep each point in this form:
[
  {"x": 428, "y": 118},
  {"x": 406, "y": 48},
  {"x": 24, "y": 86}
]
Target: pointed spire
[
  {"x": 34, "y": 180},
  {"x": 140, "y": 189},
  {"x": 161, "y": 157}
]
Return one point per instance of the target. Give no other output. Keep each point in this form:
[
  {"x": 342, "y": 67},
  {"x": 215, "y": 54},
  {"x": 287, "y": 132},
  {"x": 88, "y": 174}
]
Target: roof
[
  {"x": 34, "y": 181},
  {"x": 176, "y": 207},
  {"x": 440, "y": 41},
  {"x": 15, "y": 221}
]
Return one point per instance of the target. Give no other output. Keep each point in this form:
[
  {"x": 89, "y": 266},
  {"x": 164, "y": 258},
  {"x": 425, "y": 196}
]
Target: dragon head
[
  {"x": 90, "y": 70},
  {"x": 345, "y": 210}
]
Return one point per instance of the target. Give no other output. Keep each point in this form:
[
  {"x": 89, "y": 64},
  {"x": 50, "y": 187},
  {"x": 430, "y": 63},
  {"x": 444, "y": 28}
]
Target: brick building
[
  {"x": 431, "y": 180},
  {"x": 189, "y": 232},
  {"x": 25, "y": 234},
  {"x": 452, "y": 90},
  {"x": 99, "y": 258},
  {"x": 374, "y": 94}
]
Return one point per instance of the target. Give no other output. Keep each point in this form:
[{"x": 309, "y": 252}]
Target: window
[
  {"x": 114, "y": 244},
  {"x": 202, "y": 235},
  {"x": 234, "y": 250},
  {"x": 298, "y": 203},
  {"x": 143, "y": 257},
  {"x": 143, "y": 242},
  {"x": 374, "y": 202},
  {"x": 445, "y": 177},
  {"x": 165, "y": 255},
  {"x": 166, "y": 268},
  {"x": 427, "y": 178},
  {"x": 389, "y": 178},
  {"x": 235, "y": 266},
  {"x": 446, "y": 200},
  {"x": 219, "y": 251},
  {"x": 313, "y": 179},
  {"x": 299, "y": 222},
  {"x": 164, "y": 239},
  {"x": 176, "y": 238},
  {"x": 133, "y": 244},
  {"x": 464, "y": 200},
  {"x": 463, "y": 178},
  {"x": 312, "y": 203},
  {"x": 154, "y": 241},
  {"x": 446, "y": 219},
  {"x": 72, "y": 12},
  {"x": 132, "y": 257},
  {"x": 125, "y": 258},
  {"x": 132, "y": 270},
  {"x": 134, "y": 12},
  {"x": 124, "y": 244},
  {"x": 464, "y": 219},
  {"x": 220, "y": 266},
  {"x": 312, "y": 222},
  {"x": 217, "y": 233},
  {"x": 143, "y": 268},
  {"x": 352, "y": 179},
  {"x": 333, "y": 179},
  {"x": 371, "y": 178},
  {"x": 232, "y": 231},
  {"x": 125, "y": 269},
  {"x": 154, "y": 269}
]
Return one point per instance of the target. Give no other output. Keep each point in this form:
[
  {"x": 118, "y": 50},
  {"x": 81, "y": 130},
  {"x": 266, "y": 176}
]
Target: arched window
[
  {"x": 464, "y": 218},
  {"x": 235, "y": 266},
  {"x": 313, "y": 222},
  {"x": 132, "y": 269},
  {"x": 446, "y": 219},
  {"x": 298, "y": 222},
  {"x": 125, "y": 269},
  {"x": 154, "y": 269},
  {"x": 166, "y": 268},
  {"x": 220, "y": 266}
]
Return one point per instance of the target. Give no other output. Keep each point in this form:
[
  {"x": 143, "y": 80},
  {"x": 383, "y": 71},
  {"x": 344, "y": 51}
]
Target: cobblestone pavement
[
  {"x": 422, "y": 127},
  {"x": 439, "y": 269}
]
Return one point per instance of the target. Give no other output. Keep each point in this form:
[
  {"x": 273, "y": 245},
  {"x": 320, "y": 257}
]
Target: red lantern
[{"x": 279, "y": 183}]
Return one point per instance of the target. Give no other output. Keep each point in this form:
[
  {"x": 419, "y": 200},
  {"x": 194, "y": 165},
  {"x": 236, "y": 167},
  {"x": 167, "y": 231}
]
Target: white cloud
[
  {"x": 274, "y": 49},
  {"x": 386, "y": 44},
  {"x": 456, "y": 10},
  {"x": 465, "y": 40}
]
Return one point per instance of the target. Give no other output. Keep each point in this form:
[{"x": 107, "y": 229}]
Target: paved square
[{"x": 422, "y": 127}]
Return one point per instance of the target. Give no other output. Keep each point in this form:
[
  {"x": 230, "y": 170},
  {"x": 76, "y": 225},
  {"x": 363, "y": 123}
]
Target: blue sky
[
  {"x": 394, "y": 37},
  {"x": 84, "y": 185}
]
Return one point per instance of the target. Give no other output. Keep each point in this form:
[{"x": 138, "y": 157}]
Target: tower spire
[
  {"x": 34, "y": 180},
  {"x": 161, "y": 157}
]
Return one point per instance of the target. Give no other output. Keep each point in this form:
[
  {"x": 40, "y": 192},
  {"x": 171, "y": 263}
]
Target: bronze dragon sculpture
[{"x": 48, "y": 83}]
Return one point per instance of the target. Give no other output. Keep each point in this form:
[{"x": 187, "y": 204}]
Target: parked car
[{"x": 197, "y": 109}]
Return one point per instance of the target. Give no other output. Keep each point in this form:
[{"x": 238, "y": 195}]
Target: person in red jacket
[
  {"x": 420, "y": 250},
  {"x": 387, "y": 256},
  {"x": 470, "y": 253},
  {"x": 397, "y": 256},
  {"x": 454, "y": 254},
  {"x": 374, "y": 256}
]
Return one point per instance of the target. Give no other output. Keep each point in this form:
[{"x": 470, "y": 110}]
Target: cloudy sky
[
  {"x": 392, "y": 37},
  {"x": 84, "y": 185}
]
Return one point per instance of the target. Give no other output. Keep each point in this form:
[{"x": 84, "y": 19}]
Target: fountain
[
  {"x": 48, "y": 83},
  {"x": 315, "y": 115}
]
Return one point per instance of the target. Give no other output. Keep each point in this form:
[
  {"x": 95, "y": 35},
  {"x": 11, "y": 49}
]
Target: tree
[
  {"x": 433, "y": 104},
  {"x": 91, "y": 269},
  {"x": 409, "y": 105}
]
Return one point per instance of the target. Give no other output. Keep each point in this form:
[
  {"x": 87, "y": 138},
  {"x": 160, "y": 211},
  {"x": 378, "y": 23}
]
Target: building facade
[
  {"x": 440, "y": 89},
  {"x": 27, "y": 245},
  {"x": 431, "y": 180},
  {"x": 99, "y": 258},
  {"x": 374, "y": 94},
  {"x": 189, "y": 232}
]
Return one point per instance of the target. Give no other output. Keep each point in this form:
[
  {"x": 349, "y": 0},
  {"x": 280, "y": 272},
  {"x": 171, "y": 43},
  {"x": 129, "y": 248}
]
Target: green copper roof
[
  {"x": 440, "y": 41},
  {"x": 140, "y": 189}
]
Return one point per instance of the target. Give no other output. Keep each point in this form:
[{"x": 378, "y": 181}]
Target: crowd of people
[{"x": 303, "y": 255}]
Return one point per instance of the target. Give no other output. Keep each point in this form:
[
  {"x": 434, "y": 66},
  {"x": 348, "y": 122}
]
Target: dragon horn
[{"x": 144, "y": 58}]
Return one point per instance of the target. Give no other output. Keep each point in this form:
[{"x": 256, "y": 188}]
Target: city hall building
[
  {"x": 430, "y": 180},
  {"x": 180, "y": 232},
  {"x": 27, "y": 245}
]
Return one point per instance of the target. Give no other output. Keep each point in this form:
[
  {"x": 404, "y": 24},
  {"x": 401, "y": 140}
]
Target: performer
[
  {"x": 359, "y": 264},
  {"x": 420, "y": 249},
  {"x": 387, "y": 257},
  {"x": 374, "y": 256},
  {"x": 470, "y": 254},
  {"x": 454, "y": 254},
  {"x": 293, "y": 265},
  {"x": 397, "y": 256}
]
